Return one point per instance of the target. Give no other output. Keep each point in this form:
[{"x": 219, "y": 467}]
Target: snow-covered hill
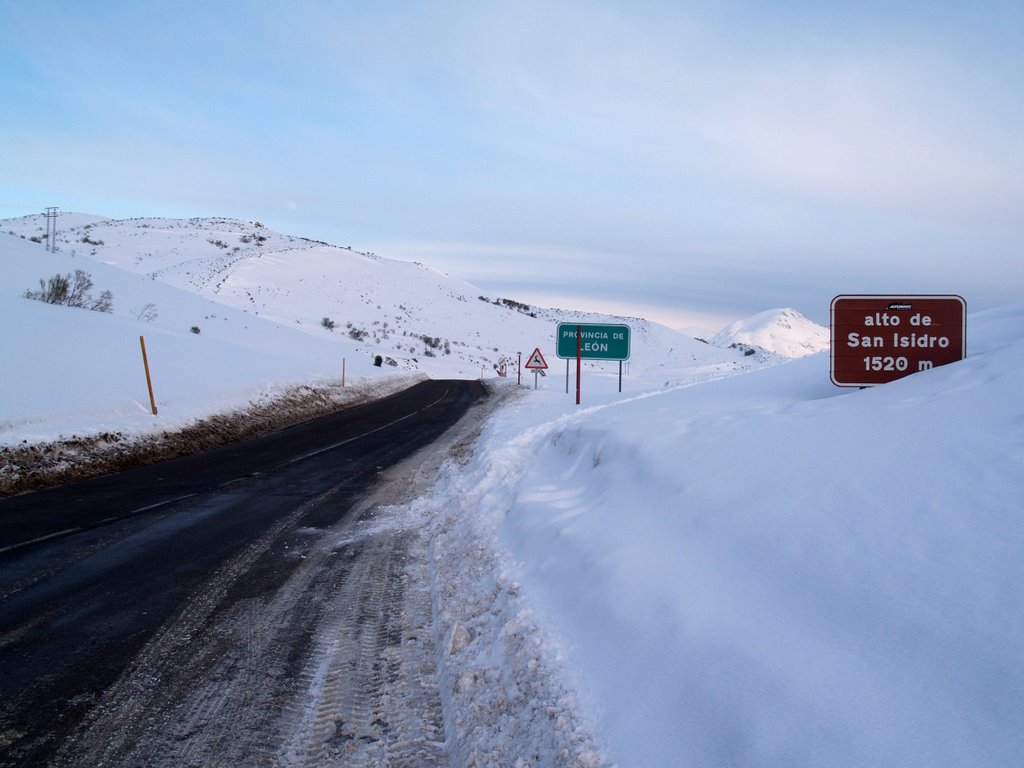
[
  {"x": 783, "y": 332},
  {"x": 233, "y": 311}
]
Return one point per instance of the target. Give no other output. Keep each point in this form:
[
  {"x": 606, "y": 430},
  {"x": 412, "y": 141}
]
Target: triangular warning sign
[{"x": 536, "y": 360}]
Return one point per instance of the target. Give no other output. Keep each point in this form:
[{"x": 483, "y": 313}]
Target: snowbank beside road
[{"x": 767, "y": 570}]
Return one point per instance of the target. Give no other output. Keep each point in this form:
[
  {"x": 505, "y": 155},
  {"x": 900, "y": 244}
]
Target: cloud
[
  {"x": 858, "y": 120},
  {"x": 732, "y": 155},
  {"x": 687, "y": 288},
  {"x": 876, "y": 134}
]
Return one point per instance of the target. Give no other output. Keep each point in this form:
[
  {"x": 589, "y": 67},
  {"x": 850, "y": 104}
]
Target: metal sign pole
[{"x": 579, "y": 353}]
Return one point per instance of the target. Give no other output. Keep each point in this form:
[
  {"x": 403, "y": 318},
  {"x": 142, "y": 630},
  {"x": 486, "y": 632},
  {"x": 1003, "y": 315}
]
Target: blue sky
[{"x": 690, "y": 162}]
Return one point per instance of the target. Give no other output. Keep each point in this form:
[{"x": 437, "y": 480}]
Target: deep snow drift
[
  {"x": 727, "y": 564},
  {"x": 769, "y": 571}
]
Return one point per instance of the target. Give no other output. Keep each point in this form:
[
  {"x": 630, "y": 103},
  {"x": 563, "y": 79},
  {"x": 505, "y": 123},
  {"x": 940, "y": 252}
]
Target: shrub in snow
[
  {"x": 194, "y": 329},
  {"x": 71, "y": 290},
  {"x": 328, "y": 323},
  {"x": 148, "y": 312},
  {"x": 431, "y": 342}
]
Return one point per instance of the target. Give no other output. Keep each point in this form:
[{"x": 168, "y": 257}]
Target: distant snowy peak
[{"x": 784, "y": 332}]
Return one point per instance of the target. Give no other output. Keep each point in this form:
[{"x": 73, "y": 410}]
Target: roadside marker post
[{"x": 149, "y": 380}]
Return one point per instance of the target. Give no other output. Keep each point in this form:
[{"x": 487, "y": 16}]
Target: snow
[
  {"x": 258, "y": 305},
  {"x": 728, "y": 563},
  {"x": 783, "y": 331},
  {"x": 74, "y": 371},
  {"x": 766, "y": 570}
]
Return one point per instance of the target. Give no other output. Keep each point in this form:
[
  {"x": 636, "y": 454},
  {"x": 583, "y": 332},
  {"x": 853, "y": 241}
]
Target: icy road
[{"x": 258, "y": 604}]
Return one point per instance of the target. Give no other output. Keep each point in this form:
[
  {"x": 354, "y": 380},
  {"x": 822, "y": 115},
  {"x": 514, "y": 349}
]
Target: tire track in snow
[
  {"x": 373, "y": 693},
  {"x": 206, "y": 680},
  {"x": 336, "y": 666}
]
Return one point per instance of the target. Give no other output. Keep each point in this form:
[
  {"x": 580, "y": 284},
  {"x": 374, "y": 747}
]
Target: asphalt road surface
[{"x": 203, "y": 590}]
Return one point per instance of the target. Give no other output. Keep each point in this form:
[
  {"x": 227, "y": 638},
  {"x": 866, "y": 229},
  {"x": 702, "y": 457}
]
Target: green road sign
[{"x": 596, "y": 342}]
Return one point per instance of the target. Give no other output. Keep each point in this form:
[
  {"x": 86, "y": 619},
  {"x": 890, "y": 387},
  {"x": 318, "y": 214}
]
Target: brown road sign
[{"x": 879, "y": 338}]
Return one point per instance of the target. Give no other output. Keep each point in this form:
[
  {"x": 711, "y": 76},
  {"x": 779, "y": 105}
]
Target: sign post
[
  {"x": 537, "y": 364},
  {"x": 596, "y": 342},
  {"x": 876, "y": 339},
  {"x": 591, "y": 341},
  {"x": 579, "y": 360}
]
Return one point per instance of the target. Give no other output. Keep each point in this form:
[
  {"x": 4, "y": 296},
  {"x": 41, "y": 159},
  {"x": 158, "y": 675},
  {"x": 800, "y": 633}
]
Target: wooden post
[
  {"x": 343, "y": 373},
  {"x": 149, "y": 381}
]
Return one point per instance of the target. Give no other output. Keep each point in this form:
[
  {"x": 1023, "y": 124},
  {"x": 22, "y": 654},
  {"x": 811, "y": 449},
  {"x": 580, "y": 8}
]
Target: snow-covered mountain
[
  {"x": 229, "y": 305},
  {"x": 783, "y": 332}
]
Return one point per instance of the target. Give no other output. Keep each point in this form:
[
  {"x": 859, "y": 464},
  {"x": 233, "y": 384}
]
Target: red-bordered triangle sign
[{"x": 536, "y": 360}]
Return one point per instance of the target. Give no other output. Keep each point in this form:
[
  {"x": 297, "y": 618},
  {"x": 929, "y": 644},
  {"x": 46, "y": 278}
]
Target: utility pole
[{"x": 51, "y": 228}]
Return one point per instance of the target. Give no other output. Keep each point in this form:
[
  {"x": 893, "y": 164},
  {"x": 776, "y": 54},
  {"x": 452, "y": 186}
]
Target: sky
[{"x": 693, "y": 163}]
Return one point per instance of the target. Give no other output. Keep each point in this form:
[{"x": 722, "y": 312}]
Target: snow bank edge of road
[
  {"x": 38, "y": 465},
  {"x": 504, "y": 687}
]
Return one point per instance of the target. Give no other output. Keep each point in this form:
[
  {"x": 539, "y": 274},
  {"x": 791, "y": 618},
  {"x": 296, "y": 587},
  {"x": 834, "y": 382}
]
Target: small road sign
[
  {"x": 877, "y": 339},
  {"x": 536, "y": 361}
]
